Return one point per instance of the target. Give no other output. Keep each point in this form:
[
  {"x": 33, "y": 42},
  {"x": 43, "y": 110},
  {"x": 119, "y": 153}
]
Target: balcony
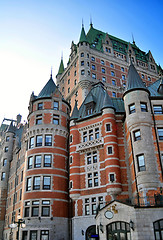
[{"x": 90, "y": 144}]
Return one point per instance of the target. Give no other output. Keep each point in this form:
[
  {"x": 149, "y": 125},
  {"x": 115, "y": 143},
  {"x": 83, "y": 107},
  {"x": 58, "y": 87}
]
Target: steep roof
[
  {"x": 134, "y": 82},
  {"x": 75, "y": 112},
  {"x": 83, "y": 37},
  {"x": 107, "y": 103},
  {"x": 154, "y": 88},
  {"x": 11, "y": 128},
  {"x": 48, "y": 89},
  {"x": 61, "y": 67}
]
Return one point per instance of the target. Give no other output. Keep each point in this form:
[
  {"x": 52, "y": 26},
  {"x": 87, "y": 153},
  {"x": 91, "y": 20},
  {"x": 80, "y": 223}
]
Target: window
[
  {"x": 47, "y": 160},
  {"x": 46, "y": 182},
  {"x": 113, "y": 94},
  {"x": 75, "y": 82},
  {"x": 122, "y": 69},
  {"x": 87, "y": 206},
  {"x": 48, "y": 140},
  {"x": 149, "y": 79},
  {"x": 137, "y": 135},
  {"x": 70, "y": 160},
  {"x": 68, "y": 90},
  {"x": 7, "y": 139},
  {"x": 84, "y": 136},
  {"x": 108, "y": 127},
  {"x": 30, "y": 162},
  {"x": 143, "y": 107},
  {"x": 113, "y": 82},
  {"x": 82, "y": 72},
  {"x": 38, "y": 141},
  {"x": 56, "y": 105},
  {"x": 44, "y": 235},
  {"x": 55, "y": 119},
  {"x": 103, "y": 70},
  {"x": 110, "y": 150},
  {"x": 92, "y": 179},
  {"x": 112, "y": 73},
  {"x": 123, "y": 77},
  {"x": 87, "y": 55},
  {"x": 160, "y": 133},
  {"x": 90, "y": 134},
  {"x": 6, "y": 149},
  {"x": 104, "y": 79},
  {"x": 93, "y": 59},
  {"x": 21, "y": 176},
  {"x": 4, "y": 162},
  {"x": 82, "y": 63},
  {"x": 20, "y": 194},
  {"x": 82, "y": 54},
  {"x": 111, "y": 177},
  {"x": 70, "y": 138},
  {"x": 91, "y": 205},
  {"x": 132, "y": 108},
  {"x": 26, "y": 210},
  {"x": 24, "y": 235},
  {"x": 40, "y": 106},
  {"x": 111, "y": 65},
  {"x": 91, "y": 157},
  {"x": 75, "y": 73},
  {"x": 142, "y": 76},
  {"x": 35, "y": 208},
  {"x": 31, "y": 142},
  {"x": 3, "y": 176},
  {"x": 89, "y": 108},
  {"x": 45, "y": 208},
  {"x": 157, "y": 109},
  {"x": 141, "y": 162},
  {"x": 93, "y": 75},
  {"x": 38, "y": 119},
  {"x": 36, "y": 183},
  {"x": 37, "y": 163},
  {"x": 93, "y": 67},
  {"x": 158, "y": 229},
  {"x": 33, "y": 235},
  {"x": 102, "y": 62},
  {"x": 29, "y": 184},
  {"x": 97, "y": 134}
]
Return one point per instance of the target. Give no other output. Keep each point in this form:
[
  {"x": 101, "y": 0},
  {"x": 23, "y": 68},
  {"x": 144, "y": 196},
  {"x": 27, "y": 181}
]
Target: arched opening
[
  {"x": 91, "y": 233},
  {"x": 158, "y": 229},
  {"x": 118, "y": 231}
]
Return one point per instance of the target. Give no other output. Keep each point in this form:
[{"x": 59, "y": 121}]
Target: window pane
[
  {"x": 35, "y": 211},
  {"x": 36, "y": 183},
  {"x": 38, "y": 141},
  {"x": 141, "y": 163},
  {"x": 37, "y": 161},
  {"x": 47, "y": 161},
  {"x": 46, "y": 182},
  {"x": 56, "y": 105},
  {"x": 30, "y": 162},
  {"x": 157, "y": 109},
  {"x": 28, "y": 188},
  {"x": 48, "y": 140},
  {"x": 31, "y": 143},
  {"x": 33, "y": 235},
  {"x": 46, "y": 211},
  {"x": 160, "y": 133}
]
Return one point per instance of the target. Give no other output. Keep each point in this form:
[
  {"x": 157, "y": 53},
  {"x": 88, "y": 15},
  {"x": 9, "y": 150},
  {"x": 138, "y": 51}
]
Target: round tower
[
  {"x": 139, "y": 125},
  {"x": 112, "y": 166},
  {"x": 46, "y": 189}
]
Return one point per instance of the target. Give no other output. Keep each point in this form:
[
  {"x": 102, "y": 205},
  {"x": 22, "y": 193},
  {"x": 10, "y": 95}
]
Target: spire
[
  {"x": 75, "y": 112},
  {"x": 134, "y": 82},
  {"x": 91, "y": 24},
  {"x": 83, "y": 37},
  {"x": 51, "y": 74},
  {"x": 61, "y": 67},
  {"x": 48, "y": 89},
  {"x": 133, "y": 41},
  {"x": 107, "y": 103}
]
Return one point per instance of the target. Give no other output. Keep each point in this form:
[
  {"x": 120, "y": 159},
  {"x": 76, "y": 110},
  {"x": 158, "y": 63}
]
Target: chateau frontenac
[{"x": 88, "y": 164}]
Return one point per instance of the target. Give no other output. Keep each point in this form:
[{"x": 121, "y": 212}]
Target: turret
[{"x": 139, "y": 125}]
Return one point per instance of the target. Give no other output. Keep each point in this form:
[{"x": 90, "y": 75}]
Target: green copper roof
[
  {"x": 83, "y": 37},
  {"x": 48, "y": 89},
  {"x": 11, "y": 128},
  {"x": 134, "y": 81},
  {"x": 75, "y": 113},
  {"x": 61, "y": 67},
  {"x": 107, "y": 103},
  {"x": 155, "y": 88}
]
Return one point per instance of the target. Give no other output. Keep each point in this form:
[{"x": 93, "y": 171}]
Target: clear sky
[{"x": 34, "y": 33}]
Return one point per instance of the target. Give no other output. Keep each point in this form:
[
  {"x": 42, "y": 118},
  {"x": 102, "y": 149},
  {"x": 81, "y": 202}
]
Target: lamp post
[{"x": 20, "y": 223}]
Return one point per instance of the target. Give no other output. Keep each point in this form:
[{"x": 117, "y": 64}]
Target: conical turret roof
[
  {"x": 61, "y": 67},
  {"x": 75, "y": 113},
  {"x": 83, "y": 37},
  {"x": 11, "y": 128},
  {"x": 134, "y": 82},
  {"x": 107, "y": 103},
  {"x": 48, "y": 89}
]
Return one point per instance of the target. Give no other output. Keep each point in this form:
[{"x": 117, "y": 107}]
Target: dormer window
[{"x": 89, "y": 108}]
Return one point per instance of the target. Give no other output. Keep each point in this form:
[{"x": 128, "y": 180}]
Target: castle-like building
[{"x": 88, "y": 164}]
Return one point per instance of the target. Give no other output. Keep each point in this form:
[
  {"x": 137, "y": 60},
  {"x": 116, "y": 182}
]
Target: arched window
[
  {"x": 158, "y": 229},
  {"x": 91, "y": 233},
  {"x": 118, "y": 230}
]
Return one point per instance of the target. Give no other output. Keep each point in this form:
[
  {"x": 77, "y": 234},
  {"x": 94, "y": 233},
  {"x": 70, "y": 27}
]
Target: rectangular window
[
  {"x": 93, "y": 75},
  {"x": 102, "y": 62},
  {"x": 157, "y": 109},
  {"x": 97, "y": 134},
  {"x": 112, "y": 73},
  {"x": 82, "y": 63},
  {"x": 123, "y": 77},
  {"x": 143, "y": 107},
  {"x": 4, "y": 162},
  {"x": 160, "y": 133},
  {"x": 47, "y": 160},
  {"x": 108, "y": 127},
  {"x": 141, "y": 162},
  {"x": 29, "y": 184},
  {"x": 26, "y": 212},
  {"x": 38, "y": 119},
  {"x": 56, "y": 105},
  {"x": 104, "y": 79},
  {"x": 87, "y": 212},
  {"x": 110, "y": 150},
  {"x": 7, "y": 139},
  {"x": 20, "y": 194},
  {"x": 111, "y": 177},
  {"x": 40, "y": 106},
  {"x": 56, "y": 119},
  {"x": 46, "y": 182},
  {"x": 82, "y": 72},
  {"x": 93, "y": 59},
  {"x": 89, "y": 159},
  {"x": 84, "y": 136},
  {"x": 37, "y": 163},
  {"x": 3, "y": 176},
  {"x": 45, "y": 211},
  {"x": 6, "y": 149},
  {"x": 132, "y": 108},
  {"x": 31, "y": 142},
  {"x": 103, "y": 70},
  {"x": 35, "y": 211},
  {"x": 48, "y": 140},
  {"x": 30, "y": 162},
  {"x": 38, "y": 141},
  {"x": 113, "y": 94},
  {"x": 91, "y": 135},
  {"x": 44, "y": 235},
  {"x": 36, "y": 183},
  {"x": 137, "y": 135},
  {"x": 113, "y": 82},
  {"x": 24, "y": 235},
  {"x": 93, "y": 67},
  {"x": 94, "y": 209}
]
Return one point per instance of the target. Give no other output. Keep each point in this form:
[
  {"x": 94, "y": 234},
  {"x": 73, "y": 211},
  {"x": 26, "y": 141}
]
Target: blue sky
[{"x": 34, "y": 33}]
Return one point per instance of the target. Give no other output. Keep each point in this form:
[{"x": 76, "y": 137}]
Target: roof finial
[
  {"x": 62, "y": 55},
  {"x": 133, "y": 41},
  {"x": 91, "y": 24},
  {"x": 82, "y": 23},
  {"x": 51, "y": 73}
]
